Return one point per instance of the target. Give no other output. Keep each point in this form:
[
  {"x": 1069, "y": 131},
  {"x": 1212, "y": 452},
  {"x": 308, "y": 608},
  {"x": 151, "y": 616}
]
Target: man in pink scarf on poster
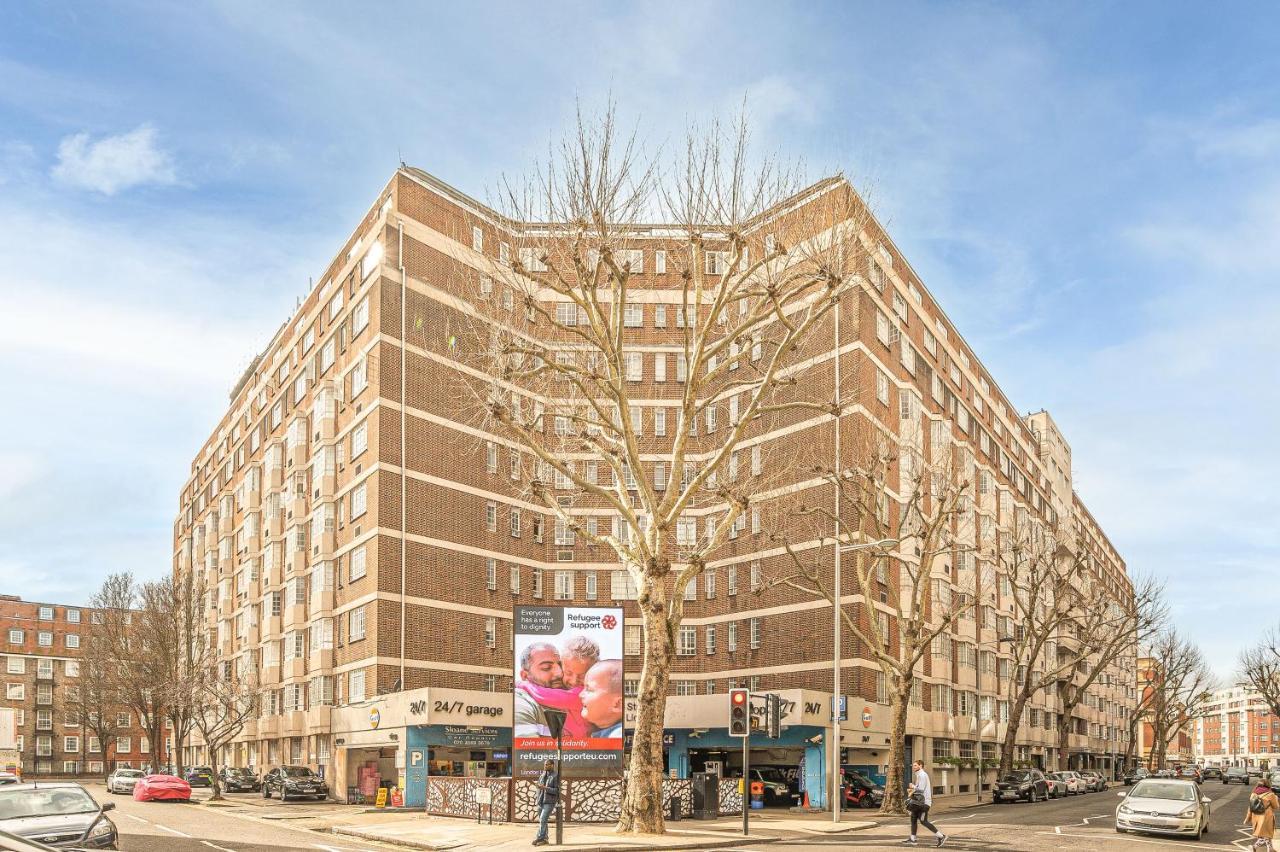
[{"x": 552, "y": 678}]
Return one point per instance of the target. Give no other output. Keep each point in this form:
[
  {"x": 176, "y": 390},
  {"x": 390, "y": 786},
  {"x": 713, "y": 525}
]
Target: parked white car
[
  {"x": 123, "y": 780},
  {"x": 1169, "y": 806},
  {"x": 1072, "y": 783}
]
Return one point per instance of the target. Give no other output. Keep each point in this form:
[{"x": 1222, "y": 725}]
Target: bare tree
[
  {"x": 1064, "y": 618},
  {"x": 931, "y": 580},
  {"x": 142, "y": 644},
  {"x": 97, "y": 702},
  {"x": 557, "y": 380},
  {"x": 1260, "y": 669},
  {"x": 224, "y": 698},
  {"x": 1179, "y": 679},
  {"x": 1121, "y": 628}
]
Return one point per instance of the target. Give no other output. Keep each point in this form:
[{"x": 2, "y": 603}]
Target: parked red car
[{"x": 162, "y": 788}]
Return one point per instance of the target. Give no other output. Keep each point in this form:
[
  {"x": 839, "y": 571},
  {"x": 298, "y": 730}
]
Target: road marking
[
  {"x": 216, "y": 846},
  {"x": 338, "y": 849},
  {"x": 1181, "y": 844},
  {"x": 173, "y": 830},
  {"x": 139, "y": 819}
]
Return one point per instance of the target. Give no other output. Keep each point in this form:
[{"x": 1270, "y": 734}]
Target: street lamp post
[
  {"x": 836, "y": 691},
  {"x": 1000, "y": 640}
]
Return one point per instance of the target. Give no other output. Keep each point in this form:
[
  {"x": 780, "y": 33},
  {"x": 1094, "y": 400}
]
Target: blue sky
[{"x": 1092, "y": 191}]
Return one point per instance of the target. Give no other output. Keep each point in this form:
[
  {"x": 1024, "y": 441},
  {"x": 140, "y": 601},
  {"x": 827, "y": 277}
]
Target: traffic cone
[{"x": 806, "y": 800}]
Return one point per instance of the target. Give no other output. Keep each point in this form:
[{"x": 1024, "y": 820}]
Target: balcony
[
  {"x": 271, "y": 627},
  {"x": 269, "y": 726},
  {"x": 296, "y": 561},
  {"x": 269, "y": 675},
  {"x": 293, "y": 723},
  {"x": 320, "y": 661},
  {"x": 295, "y": 616},
  {"x": 319, "y": 719},
  {"x": 295, "y": 669}
]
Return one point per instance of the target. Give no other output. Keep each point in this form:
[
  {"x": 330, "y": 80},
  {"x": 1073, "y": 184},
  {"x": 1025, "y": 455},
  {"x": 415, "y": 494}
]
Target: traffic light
[
  {"x": 739, "y": 713},
  {"x": 774, "y": 715}
]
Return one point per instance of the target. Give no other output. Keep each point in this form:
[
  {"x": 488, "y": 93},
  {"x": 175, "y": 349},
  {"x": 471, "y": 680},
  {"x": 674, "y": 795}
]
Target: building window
[
  {"x": 491, "y": 574},
  {"x": 882, "y": 388},
  {"x": 16, "y": 665},
  {"x": 46, "y": 613},
  {"x": 631, "y": 640},
  {"x": 15, "y": 691},
  {"x": 73, "y": 640},
  {"x": 355, "y": 624},
  {"x": 491, "y": 632},
  {"x": 515, "y": 523},
  {"x": 359, "y": 439},
  {"x": 17, "y": 637},
  {"x": 359, "y": 500},
  {"x": 537, "y": 582},
  {"x": 71, "y": 745},
  {"x": 355, "y": 686},
  {"x": 124, "y": 745},
  {"x": 564, "y": 585},
  {"x": 688, "y": 643},
  {"x": 73, "y": 616},
  {"x": 592, "y": 586},
  {"x": 732, "y": 639},
  {"x": 491, "y": 517},
  {"x": 44, "y": 639},
  {"x": 754, "y": 625},
  {"x": 711, "y": 640},
  {"x": 357, "y": 567}
]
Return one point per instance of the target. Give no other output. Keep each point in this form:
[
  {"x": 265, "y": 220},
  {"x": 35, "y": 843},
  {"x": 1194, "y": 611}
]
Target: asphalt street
[
  {"x": 1083, "y": 822},
  {"x": 178, "y": 827}
]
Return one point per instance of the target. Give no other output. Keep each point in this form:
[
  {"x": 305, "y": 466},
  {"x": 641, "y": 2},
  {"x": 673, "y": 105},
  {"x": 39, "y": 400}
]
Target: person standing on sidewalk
[
  {"x": 1262, "y": 814},
  {"x": 548, "y": 797},
  {"x": 919, "y": 800}
]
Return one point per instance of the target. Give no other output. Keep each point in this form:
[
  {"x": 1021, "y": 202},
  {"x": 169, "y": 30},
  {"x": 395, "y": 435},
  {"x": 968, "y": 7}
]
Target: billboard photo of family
[{"x": 568, "y": 659}]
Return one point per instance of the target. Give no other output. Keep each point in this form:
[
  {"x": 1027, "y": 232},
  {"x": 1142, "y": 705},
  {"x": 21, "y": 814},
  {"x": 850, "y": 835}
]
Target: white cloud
[
  {"x": 775, "y": 98},
  {"x": 114, "y": 163}
]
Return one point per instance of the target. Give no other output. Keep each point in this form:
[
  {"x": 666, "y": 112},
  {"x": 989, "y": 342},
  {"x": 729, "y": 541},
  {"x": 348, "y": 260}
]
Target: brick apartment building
[
  {"x": 41, "y": 665},
  {"x": 292, "y": 514},
  {"x": 1237, "y": 728}
]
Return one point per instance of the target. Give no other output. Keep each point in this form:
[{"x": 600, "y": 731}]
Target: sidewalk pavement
[{"x": 440, "y": 833}]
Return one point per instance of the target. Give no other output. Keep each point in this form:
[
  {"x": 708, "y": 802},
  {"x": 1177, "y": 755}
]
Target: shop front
[{"x": 400, "y": 741}]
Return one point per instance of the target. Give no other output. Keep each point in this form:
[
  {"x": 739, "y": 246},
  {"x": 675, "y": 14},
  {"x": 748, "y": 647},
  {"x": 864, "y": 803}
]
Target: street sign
[{"x": 843, "y": 712}]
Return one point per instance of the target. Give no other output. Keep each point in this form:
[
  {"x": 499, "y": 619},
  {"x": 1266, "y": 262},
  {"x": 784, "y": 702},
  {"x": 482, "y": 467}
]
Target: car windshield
[
  {"x": 1164, "y": 790},
  {"x": 1016, "y": 777},
  {"x": 773, "y": 774},
  {"x": 45, "y": 801},
  {"x": 128, "y": 773},
  {"x": 296, "y": 772}
]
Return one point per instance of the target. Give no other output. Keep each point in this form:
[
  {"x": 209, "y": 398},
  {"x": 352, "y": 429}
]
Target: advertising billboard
[{"x": 568, "y": 659}]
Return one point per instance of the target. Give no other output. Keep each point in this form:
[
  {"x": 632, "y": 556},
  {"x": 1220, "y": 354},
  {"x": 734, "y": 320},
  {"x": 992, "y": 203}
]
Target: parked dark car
[
  {"x": 1027, "y": 785},
  {"x": 1133, "y": 776},
  {"x": 57, "y": 813},
  {"x": 860, "y": 791},
  {"x": 199, "y": 776},
  {"x": 1235, "y": 775},
  {"x": 294, "y": 782},
  {"x": 239, "y": 780},
  {"x": 1212, "y": 773}
]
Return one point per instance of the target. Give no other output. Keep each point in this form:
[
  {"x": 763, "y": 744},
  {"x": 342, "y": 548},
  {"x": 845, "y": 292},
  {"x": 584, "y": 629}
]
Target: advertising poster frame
[{"x": 569, "y": 658}]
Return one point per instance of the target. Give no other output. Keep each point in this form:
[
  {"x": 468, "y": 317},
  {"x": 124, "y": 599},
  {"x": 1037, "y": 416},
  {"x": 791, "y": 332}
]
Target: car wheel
[{"x": 266, "y": 794}]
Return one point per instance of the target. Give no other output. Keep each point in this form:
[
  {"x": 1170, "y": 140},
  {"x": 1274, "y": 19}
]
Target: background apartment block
[
  {"x": 1237, "y": 728},
  {"x": 41, "y": 667},
  {"x": 359, "y": 535}
]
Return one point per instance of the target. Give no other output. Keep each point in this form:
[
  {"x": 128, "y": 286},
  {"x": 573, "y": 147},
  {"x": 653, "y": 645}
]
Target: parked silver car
[
  {"x": 123, "y": 780},
  {"x": 1164, "y": 806}
]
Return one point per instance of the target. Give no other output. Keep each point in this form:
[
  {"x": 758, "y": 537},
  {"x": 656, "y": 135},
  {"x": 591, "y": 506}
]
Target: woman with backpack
[{"x": 1262, "y": 814}]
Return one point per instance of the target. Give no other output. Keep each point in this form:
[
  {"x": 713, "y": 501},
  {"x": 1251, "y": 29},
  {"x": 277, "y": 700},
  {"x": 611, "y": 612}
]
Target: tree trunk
[
  {"x": 642, "y": 801},
  {"x": 1064, "y": 737},
  {"x": 214, "y": 784},
  {"x": 1011, "y": 733},
  {"x": 894, "y": 783}
]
